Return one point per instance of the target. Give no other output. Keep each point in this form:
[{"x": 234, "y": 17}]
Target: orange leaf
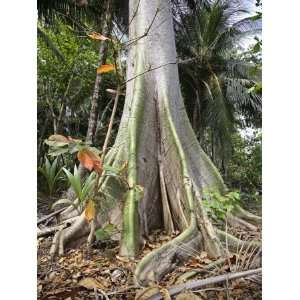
[
  {"x": 90, "y": 211},
  {"x": 106, "y": 68},
  {"x": 90, "y": 160},
  {"x": 58, "y": 138},
  {"x": 98, "y": 167},
  {"x": 98, "y": 36},
  {"x": 85, "y": 160}
]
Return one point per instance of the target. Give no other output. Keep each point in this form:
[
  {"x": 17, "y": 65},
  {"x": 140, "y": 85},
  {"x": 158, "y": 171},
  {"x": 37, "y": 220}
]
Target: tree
[
  {"x": 167, "y": 169},
  {"x": 216, "y": 81}
]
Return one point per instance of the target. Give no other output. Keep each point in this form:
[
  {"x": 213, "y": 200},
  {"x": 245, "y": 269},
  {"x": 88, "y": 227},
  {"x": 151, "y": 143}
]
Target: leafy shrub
[
  {"x": 243, "y": 171},
  {"x": 218, "y": 206}
]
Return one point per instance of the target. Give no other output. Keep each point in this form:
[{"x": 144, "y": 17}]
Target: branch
[
  {"x": 134, "y": 40},
  {"x": 176, "y": 289},
  {"x": 149, "y": 70},
  {"x": 50, "y": 216}
]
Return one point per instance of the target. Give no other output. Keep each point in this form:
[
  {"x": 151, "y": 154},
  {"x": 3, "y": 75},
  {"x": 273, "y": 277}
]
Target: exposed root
[
  {"x": 69, "y": 212},
  {"x": 61, "y": 244},
  {"x": 53, "y": 214},
  {"x": 72, "y": 233},
  {"x": 251, "y": 218},
  {"x": 236, "y": 221},
  {"x": 78, "y": 229},
  {"x": 91, "y": 236},
  {"x": 163, "y": 260},
  {"x": 50, "y": 230},
  {"x": 55, "y": 242},
  {"x": 176, "y": 289},
  {"x": 234, "y": 243},
  {"x": 211, "y": 241},
  {"x": 168, "y": 222}
]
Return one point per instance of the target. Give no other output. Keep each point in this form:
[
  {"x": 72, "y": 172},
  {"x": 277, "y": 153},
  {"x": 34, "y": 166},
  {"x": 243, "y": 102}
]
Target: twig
[
  {"x": 133, "y": 16},
  {"x": 96, "y": 294},
  {"x": 149, "y": 70},
  {"x": 104, "y": 149},
  {"x": 103, "y": 293},
  {"x": 41, "y": 220},
  {"x": 174, "y": 290},
  {"x": 121, "y": 291},
  {"x": 146, "y": 32}
]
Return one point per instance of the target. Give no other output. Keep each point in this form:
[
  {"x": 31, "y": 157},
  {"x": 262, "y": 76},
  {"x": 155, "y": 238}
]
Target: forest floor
[{"x": 105, "y": 275}]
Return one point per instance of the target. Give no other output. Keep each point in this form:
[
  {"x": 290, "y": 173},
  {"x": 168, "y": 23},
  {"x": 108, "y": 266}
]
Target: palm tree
[{"x": 213, "y": 74}]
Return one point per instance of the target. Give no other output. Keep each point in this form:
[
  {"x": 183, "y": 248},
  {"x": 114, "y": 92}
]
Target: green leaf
[
  {"x": 75, "y": 182},
  {"x": 57, "y": 151},
  {"x": 105, "y": 232},
  {"x": 101, "y": 235},
  {"x": 88, "y": 185}
]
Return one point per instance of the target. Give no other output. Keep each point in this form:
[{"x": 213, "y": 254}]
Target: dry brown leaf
[
  {"x": 106, "y": 68},
  {"x": 58, "y": 138},
  {"x": 90, "y": 211},
  {"x": 146, "y": 293},
  {"x": 98, "y": 37},
  {"x": 90, "y": 283},
  {"x": 122, "y": 259},
  {"x": 187, "y": 296},
  {"x": 165, "y": 294}
]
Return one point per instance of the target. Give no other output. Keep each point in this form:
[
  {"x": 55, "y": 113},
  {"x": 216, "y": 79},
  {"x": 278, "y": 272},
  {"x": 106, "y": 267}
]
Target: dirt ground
[{"x": 105, "y": 275}]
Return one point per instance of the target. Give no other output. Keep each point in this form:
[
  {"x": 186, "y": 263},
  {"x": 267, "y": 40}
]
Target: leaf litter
[{"x": 105, "y": 275}]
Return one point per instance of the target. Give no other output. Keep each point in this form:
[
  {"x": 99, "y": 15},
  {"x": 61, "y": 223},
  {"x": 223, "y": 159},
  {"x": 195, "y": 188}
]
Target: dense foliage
[{"x": 221, "y": 81}]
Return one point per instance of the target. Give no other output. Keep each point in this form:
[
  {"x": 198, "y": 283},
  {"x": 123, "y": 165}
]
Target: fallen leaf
[
  {"x": 98, "y": 37},
  {"x": 90, "y": 283},
  {"x": 90, "y": 211},
  {"x": 187, "y": 296},
  {"x": 145, "y": 294},
  {"x": 122, "y": 259},
  {"x": 58, "y": 138},
  {"x": 106, "y": 68}
]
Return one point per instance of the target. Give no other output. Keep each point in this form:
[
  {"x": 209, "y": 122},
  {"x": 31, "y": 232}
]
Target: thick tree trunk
[{"x": 155, "y": 120}]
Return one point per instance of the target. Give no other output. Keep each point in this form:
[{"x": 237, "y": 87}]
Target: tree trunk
[
  {"x": 164, "y": 156},
  {"x": 106, "y": 28}
]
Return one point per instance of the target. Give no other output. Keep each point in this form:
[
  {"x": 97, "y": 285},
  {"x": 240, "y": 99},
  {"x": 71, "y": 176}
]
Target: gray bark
[{"x": 102, "y": 57}]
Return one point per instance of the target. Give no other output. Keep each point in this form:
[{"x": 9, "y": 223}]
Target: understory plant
[
  {"x": 82, "y": 189},
  {"x": 51, "y": 172},
  {"x": 218, "y": 205},
  {"x": 86, "y": 189}
]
